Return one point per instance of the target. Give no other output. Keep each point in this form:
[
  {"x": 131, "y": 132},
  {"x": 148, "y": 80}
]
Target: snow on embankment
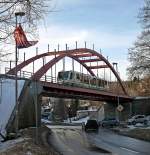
[{"x": 7, "y": 100}]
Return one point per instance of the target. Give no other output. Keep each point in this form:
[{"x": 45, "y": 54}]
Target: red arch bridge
[{"x": 87, "y": 58}]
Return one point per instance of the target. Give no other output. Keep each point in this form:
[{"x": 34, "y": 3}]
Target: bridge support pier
[
  {"x": 29, "y": 109},
  {"x": 111, "y": 110}
]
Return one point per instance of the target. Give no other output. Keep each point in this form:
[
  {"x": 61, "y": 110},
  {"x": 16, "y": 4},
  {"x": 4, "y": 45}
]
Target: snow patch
[
  {"x": 138, "y": 125},
  {"x": 9, "y": 144},
  {"x": 45, "y": 121}
]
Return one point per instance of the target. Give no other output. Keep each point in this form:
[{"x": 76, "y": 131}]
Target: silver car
[{"x": 138, "y": 119}]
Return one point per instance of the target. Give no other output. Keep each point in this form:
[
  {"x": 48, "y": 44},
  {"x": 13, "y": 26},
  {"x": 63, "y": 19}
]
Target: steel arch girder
[
  {"x": 70, "y": 52},
  {"x": 52, "y": 62},
  {"x": 25, "y": 63},
  {"x": 110, "y": 66}
]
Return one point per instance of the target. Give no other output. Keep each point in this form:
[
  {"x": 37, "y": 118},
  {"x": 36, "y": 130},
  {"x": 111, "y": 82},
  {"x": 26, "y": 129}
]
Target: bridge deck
[{"x": 59, "y": 90}]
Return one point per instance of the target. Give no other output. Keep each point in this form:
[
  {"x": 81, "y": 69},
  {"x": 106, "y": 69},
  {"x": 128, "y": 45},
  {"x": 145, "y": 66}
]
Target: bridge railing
[
  {"x": 47, "y": 78},
  {"x": 28, "y": 75},
  {"x": 21, "y": 74}
]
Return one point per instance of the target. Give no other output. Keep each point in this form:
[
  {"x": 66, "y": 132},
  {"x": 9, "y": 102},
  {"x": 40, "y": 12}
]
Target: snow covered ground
[
  {"x": 7, "y": 100},
  {"x": 45, "y": 121},
  {"x": 9, "y": 144},
  {"x": 139, "y": 125},
  {"x": 82, "y": 120}
]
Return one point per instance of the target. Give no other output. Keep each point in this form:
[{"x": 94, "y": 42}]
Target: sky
[{"x": 112, "y": 26}]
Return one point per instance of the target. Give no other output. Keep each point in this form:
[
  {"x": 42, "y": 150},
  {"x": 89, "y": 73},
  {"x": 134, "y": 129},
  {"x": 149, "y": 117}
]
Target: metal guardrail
[{"x": 28, "y": 75}]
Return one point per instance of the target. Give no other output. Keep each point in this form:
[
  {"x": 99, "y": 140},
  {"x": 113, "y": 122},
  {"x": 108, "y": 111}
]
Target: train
[{"x": 74, "y": 78}]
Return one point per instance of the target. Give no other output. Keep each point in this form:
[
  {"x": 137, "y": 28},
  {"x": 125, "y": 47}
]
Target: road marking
[{"x": 129, "y": 150}]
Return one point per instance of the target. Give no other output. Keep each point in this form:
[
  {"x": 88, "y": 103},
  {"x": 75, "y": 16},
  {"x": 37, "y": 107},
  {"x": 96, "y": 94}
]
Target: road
[{"x": 74, "y": 141}]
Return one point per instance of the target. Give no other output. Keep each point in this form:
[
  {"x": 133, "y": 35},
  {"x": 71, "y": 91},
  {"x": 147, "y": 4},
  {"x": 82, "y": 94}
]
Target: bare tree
[
  {"x": 34, "y": 11},
  {"x": 139, "y": 54}
]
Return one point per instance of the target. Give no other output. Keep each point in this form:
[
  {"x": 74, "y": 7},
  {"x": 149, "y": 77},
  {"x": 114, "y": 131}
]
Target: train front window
[
  {"x": 65, "y": 76},
  {"x": 77, "y": 76},
  {"x": 60, "y": 75}
]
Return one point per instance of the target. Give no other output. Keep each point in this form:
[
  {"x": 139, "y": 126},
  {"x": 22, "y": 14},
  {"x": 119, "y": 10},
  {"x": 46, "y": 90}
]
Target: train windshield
[
  {"x": 63, "y": 75},
  {"x": 66, "y": 75}
]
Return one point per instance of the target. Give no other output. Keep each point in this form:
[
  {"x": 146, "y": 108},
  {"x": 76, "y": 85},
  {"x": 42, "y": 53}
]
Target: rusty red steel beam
[
  {"x": 68, "y": 90},
  {"x": 98, "y": 67},
  {"x": 47, "y": 66},
  {"x": 44, "y": 69},
  {"x": 83, "y": 64},
  {"x": 25, "y": 63},
  {"x": 78, "y": 89},
  {"x": 94, "y": 53},
  {"x": 90, "y": 60},
  {"x": 83, "y": 52},
  {"x": 110, "y": 66},
  {"x": 84, "y": 55}
]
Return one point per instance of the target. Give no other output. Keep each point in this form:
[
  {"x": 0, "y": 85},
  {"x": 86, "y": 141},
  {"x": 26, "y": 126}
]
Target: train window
[
  {"x": 77, "y": 76},
  {"x": 86, "y": 79},
  {"x": 65, "y": 75},
  {"x": 82, "y": 77},
  {"x": 71, "y": 75},
  {"x": 60, "y": 75},
  {"x": 94, "y": 81},
  {"x": 99, "y": 82}
]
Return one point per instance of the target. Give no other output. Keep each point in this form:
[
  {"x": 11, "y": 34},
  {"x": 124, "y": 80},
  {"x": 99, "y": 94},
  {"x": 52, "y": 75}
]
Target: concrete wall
[
  {"x": 7, "y": 100},
  {"x": 111, "y": 111},
  {"x": 29, "y": 100},
  {"x": 141, "y": 105}
]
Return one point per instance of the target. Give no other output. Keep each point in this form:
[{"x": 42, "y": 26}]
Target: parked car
[
  {"x": 109, "y": 122},
  {"x": 137, "y": 119},
  {"x": 148, "y": 117},
  {"x": 91, "y": 125},
  {"x": 45, "y": 113}
]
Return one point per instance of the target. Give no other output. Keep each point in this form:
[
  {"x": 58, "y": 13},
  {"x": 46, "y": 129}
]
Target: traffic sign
[{"x": 120, "y": 107}]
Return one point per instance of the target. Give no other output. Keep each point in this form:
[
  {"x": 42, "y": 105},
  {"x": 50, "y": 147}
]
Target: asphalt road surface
[{"x": 71, "y": 140}]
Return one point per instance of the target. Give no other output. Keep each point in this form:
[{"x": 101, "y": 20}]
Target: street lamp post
[{"x": 16, "y": 82}]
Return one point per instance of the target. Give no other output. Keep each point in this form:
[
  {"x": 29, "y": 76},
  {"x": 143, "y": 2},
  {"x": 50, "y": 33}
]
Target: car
[
  {"x": 109, "y": 122},
  {"x": 148, "y": 117},
  {"x": 45, "y": 113},
  {"x": 137, "y": 119},
  {"x": 91, "y": 125}
]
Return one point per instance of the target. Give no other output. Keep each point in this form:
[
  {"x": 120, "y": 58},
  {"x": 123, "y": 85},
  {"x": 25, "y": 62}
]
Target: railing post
[
  {"x": 5, "y": 69},
  {"x": 48, "y": 48},
  {"x": 23, "y": 73},
  {"x": 93, "y": 47},
  {"x": 55, "y": 63},
  {"x": 10, "y": 64},
  {"x": 45, "y": 78},
  {"x": 85, "y": 44},
  {"x": 36, "y": 50},
  {"x": 33, "y": 67},
  {"x": 76, "y": 44},
  {"x": 24, "y": 56},
  {"x": 51, "y": 75},
  {"x": 58, "y": 48}
]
